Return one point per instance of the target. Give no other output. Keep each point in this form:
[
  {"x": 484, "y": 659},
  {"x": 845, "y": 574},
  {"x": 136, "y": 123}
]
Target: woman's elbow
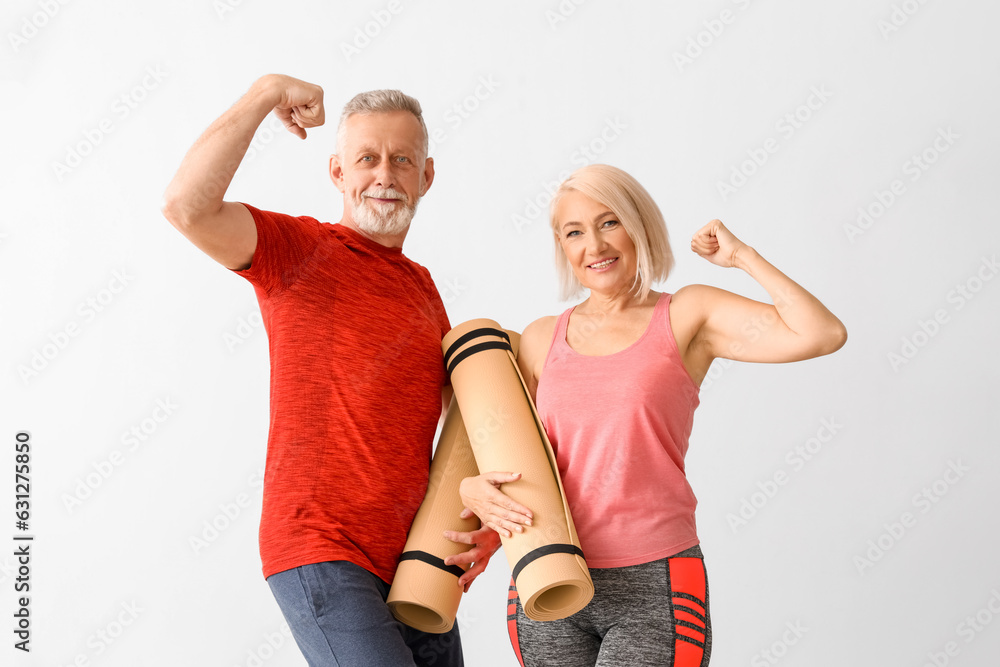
[{"x": 833, "y": 339}]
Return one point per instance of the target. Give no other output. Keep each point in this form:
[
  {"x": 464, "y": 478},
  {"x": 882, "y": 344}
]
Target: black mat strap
[
  {"x": 475, "y": 333},
  {"x": 431, "y": 559},
  {"x": 535, "y": 554},
  {"x": 479, "y": 347}
]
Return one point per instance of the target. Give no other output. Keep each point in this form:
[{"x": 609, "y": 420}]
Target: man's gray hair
[{"x": 382, "y": 101}]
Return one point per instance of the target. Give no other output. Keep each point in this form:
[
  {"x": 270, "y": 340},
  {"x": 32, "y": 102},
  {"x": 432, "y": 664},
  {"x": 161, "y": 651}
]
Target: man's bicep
[{"x": 228, "y": 236}]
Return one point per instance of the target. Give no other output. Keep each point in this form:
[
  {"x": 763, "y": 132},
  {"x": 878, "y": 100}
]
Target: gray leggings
[{"x": 642, "y": 615}]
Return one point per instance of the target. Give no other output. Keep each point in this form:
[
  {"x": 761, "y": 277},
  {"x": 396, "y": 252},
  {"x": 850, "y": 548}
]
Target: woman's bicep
[{"x": 736, "y": 327}]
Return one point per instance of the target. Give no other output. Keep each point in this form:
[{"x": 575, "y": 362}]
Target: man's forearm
[{"x": 199, "y": 186}]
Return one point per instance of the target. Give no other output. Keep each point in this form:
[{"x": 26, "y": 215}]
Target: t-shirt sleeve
[
  {"x": 440, "y": 314},
  {"x": 439, "y": 310},
  {"x": 445, "y": 324},
  {"x": 284, "y": 245}
]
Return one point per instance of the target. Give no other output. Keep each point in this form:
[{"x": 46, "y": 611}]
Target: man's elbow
[
  {"x": 173, "y": 210},
  {"x": 179, "y": 213}
]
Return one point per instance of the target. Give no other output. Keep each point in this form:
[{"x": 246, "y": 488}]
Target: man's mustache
[{"x": 385, "y": 193}]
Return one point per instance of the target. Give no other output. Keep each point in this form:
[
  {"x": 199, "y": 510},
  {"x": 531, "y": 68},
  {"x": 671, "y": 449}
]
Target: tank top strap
[
  {"x": 559, "y": 346},
  {"x": 660, "y": 332},
  {"x": 660, "y": 338}
]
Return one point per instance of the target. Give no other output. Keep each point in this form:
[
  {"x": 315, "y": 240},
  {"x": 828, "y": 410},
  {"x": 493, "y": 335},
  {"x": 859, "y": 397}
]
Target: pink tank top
[{"x": 619, "y": 425}]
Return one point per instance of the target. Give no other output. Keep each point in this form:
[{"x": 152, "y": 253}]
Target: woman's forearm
[{"x": 798, "y": 309}]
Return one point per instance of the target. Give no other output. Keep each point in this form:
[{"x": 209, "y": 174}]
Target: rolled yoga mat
[
  {"x": 506, "y": 434},
  {"x": 425, "y": 593}
]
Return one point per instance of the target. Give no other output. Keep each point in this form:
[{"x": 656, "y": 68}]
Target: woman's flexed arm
[{"x": 795, "y": 326}]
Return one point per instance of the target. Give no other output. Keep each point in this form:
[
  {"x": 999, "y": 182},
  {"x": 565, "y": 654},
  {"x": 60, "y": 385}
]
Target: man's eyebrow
[{"x": 399, "y": 150}]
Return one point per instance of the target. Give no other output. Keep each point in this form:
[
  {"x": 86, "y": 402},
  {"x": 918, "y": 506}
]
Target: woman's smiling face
[{"x": 599, "y": 250}]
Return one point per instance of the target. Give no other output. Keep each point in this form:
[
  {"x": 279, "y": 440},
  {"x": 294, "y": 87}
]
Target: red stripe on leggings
[
  {"x": 512, "y": 622},
  {"x": 687, "y": 575}
]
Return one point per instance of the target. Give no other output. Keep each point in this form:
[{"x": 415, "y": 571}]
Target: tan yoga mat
[
  {"x": 425, "y": 593},
  {"x": 506, "y": 435}
]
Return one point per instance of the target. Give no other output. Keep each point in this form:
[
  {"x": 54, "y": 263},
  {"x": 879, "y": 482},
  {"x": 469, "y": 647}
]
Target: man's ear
[
  {"x": 428, "y": 175},
  {"x": 336, "y": 172}
]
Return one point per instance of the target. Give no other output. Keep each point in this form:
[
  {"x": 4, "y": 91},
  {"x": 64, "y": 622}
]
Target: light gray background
[{"x": 535, "y": 82}]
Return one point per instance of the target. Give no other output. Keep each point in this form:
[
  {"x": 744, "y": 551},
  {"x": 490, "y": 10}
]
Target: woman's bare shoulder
[
  {"x": 540, "y": 329},
  {"x": 535, "y": 342}
]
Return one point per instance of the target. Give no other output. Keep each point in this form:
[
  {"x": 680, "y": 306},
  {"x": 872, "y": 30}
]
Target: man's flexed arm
[{"x": 193, "y": 202}]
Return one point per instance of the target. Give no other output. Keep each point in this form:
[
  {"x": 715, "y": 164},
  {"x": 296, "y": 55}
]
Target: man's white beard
[{"x": 378, "y": 219}]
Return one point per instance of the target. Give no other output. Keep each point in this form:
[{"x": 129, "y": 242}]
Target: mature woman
[{"x": 615, "y": 380}]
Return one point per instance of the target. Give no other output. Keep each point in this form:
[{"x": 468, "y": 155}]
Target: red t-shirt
[{"x": 354, "y": 331}]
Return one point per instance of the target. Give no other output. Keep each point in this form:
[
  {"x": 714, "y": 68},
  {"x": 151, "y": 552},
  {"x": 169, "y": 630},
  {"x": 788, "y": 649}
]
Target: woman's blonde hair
[{"x": 637, "y": 213}]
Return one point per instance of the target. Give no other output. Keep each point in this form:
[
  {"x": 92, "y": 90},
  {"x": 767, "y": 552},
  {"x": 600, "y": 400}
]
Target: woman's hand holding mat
[
  {"x": 482, "y": 496},
  {"x": 495, "y": 511}
]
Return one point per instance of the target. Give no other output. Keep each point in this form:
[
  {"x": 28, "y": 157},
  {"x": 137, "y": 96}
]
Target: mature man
[{"x": 357, "y": 381}]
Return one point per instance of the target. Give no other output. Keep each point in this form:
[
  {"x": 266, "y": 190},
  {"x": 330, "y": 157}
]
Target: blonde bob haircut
[{"x": 637, "y": 213}]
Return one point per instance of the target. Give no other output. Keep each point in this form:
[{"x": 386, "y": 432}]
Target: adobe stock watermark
[
  {"x": 33, "y": 23},
  {"x": 224, "y": 7},
  {"x": 132, "y": 440},
  {"x": 585, "y": 154},
  {"x": 899, "y": 16},
  {"x": 244, "y": 330},
  {"x": 461, "y": 111},
  {"x": 85, "y": 313},
  {"x": 465, "y": 619},
  {"x": 124, "y": 106},
  {"x": 452, "y": 290},
  {"x": 436, "y": 647},
  {"x": 229, "y": 512},
  {"x": 712, "y": 30},
  {"x": 611, "y": 473},
  {"x": 779, "y": 648},
  {"x": 8, "y": 569},
  {"x": 967, "y": 630},
  {"x": 718, "y": 368},
  {"x": 562, "y": 13},
  {"x": 262, "y": 138},
  {"x": 365, "y": 34},
  {"x": 923, "y": 502},
  {"x": 269, "y": 645},
  {"x": 786, "y": 126},
  {"x": 913, "y": 168},
  {"x": 104, "y": 637},
  {"x": 491, "y": 424},
  {"x": 795, "y": 459},
  {"x": 927, "y": 329},
  {"x": 751, "y": 331}
]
